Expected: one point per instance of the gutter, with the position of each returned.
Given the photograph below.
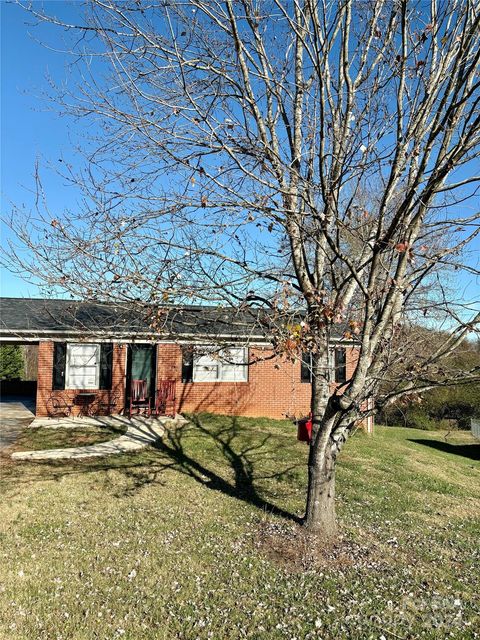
(124, 337)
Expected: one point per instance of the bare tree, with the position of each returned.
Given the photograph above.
(310, 157)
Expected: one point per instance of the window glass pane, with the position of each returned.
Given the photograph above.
(81, 371)
(233, 355)
(142, 363)
(83, 355)
(82, 380)
(205, 365)
(205, 372)
(234, 373)
(233, 368)
(206, 360)
(83, 365)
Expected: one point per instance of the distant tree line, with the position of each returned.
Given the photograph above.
(443, 407)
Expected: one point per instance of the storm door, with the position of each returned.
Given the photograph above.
(141, 365)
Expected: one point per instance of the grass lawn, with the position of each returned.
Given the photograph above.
(38, 438)
(197, 538)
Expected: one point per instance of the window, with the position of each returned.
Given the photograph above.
(339, 364)
(212, 365)
(206, 369)
(83, 366)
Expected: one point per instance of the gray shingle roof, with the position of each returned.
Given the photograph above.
(34, 317)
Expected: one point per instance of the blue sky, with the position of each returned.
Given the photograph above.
(32, 131)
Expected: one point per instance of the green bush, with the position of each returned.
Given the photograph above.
(418, 419)
(11, 362)
(444, 408)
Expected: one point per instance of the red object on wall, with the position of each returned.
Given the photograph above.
(304, 430)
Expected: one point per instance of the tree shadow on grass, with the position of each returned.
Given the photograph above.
(471, 451)
(177, 451)
(241, 460)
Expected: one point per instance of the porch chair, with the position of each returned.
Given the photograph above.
(139, 398)
(165, 398)
(110, 404)
(59, 406)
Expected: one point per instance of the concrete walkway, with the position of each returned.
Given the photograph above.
(141, 431)
(16, 414)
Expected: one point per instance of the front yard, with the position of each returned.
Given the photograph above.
(39, 438)
(197, 538)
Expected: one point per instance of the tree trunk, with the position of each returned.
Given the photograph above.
(320, 509)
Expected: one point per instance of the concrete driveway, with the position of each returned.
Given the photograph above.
(16, 413)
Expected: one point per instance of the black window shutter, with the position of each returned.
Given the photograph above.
(106, 364)
(340, 365)
(187, 364)
(59, 363)
(306, 367)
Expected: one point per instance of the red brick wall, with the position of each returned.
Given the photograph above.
(46, 397)
(273, 389)
(270, 391)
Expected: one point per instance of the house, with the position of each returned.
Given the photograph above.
(215, 360)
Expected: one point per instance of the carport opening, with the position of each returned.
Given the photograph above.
(18, 373)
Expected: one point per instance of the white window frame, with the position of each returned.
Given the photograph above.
(221, 368)
(71, 384)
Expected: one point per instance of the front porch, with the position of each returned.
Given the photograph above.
(84, 380)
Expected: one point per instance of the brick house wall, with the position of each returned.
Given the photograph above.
(274, 388)
(102, 397)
